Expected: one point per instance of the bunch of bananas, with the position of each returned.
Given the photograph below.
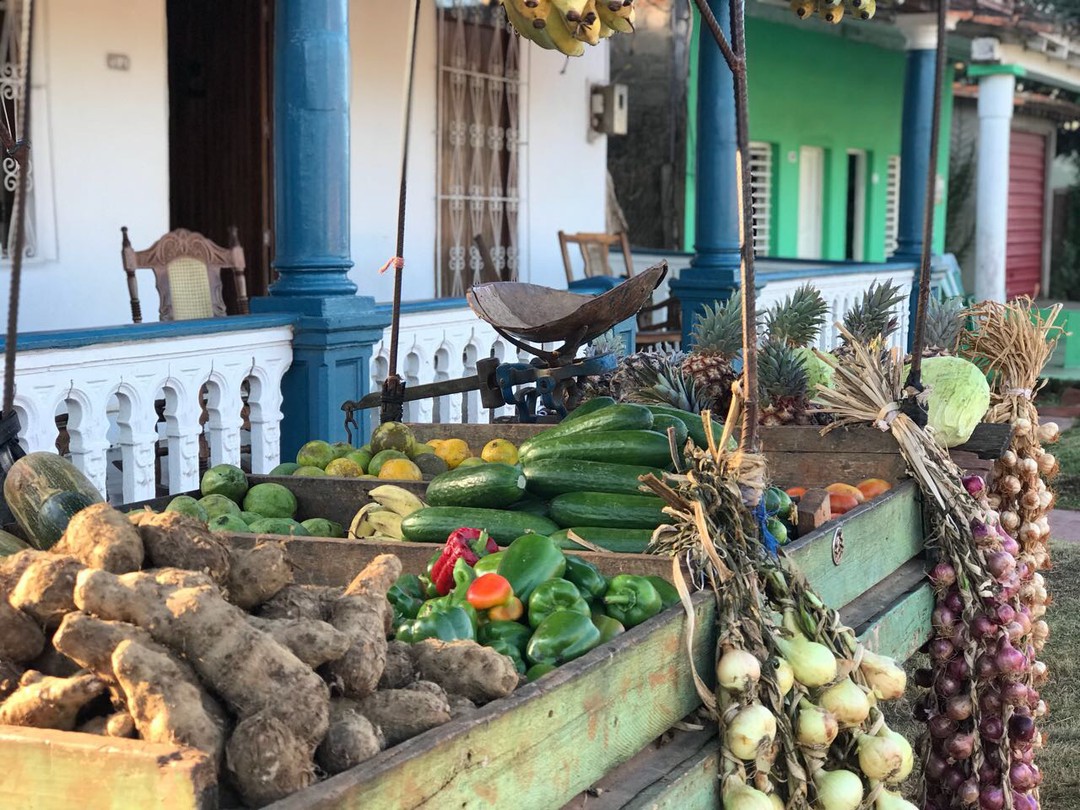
(832, 11)
(569, 25)
(381, 518)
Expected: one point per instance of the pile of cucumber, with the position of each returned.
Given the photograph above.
(580, 475)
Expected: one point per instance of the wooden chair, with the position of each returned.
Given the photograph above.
(651, 333)
(596, 253)
(187, 271)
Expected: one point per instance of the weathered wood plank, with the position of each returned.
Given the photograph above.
(694, 784)
(792, 469)
(857, 439)
(547, 742)
(903, 627)
(878, 536)
(477, 435)
(56, 770)
(987, 441)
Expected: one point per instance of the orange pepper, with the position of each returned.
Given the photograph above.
(510, 612)
(488, 591)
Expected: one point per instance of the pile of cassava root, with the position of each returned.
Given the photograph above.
(149, 626)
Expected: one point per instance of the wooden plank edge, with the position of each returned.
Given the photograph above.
(904, 627)
(693, 784)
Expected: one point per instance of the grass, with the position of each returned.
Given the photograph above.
(1067, 484)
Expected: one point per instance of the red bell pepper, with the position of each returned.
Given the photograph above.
(465, 543)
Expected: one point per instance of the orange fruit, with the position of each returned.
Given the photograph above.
(453, 451)
(840, 502)
(846, 489)
(400, 469)
(500, 450)
(872, 487)
(795, 492)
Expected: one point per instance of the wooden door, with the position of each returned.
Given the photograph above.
(220, 127)
(811, 201)
(1027, 207)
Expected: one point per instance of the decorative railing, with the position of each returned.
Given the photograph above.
(140, 408)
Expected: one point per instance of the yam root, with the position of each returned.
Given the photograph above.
(312, 641)
(399, 671)
(45, 590)
(465, 668)
(101, 537)
(350, 740)
(53, 662)
(13, 566)
(166, 705)
(120, 724)
(42, 701)
(10, 672)
(301, 602)
(173, 540)
(180, 578)
(363, 612)
(267, 760)
(403, 713)
(257, 574)
(21, 638)
(245, 667)
(460, 706)
(91, 642)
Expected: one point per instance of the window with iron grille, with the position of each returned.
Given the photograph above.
(11, 91)
(761, 168)
(479, 135)
(892, 205)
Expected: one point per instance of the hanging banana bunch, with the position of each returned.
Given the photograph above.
(568, 26)
(833, 11)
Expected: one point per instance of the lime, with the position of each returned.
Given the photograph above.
(321, 527)
(218, 505)
(271, 501)
(229, 522)
(381, 458)
(361, 458)
(309, 472)
(430, 464)
(186, 505)
(224, 479)
(341, 449)
(344, 468)
(392, 436)
(287, 468)
(471, 461)
(778, 530)
(315, 453)
(250, 517)
(278, 526)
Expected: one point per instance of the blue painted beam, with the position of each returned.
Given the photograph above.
(714, 271)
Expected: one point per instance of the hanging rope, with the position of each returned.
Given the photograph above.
(393, 393)
(19, 152)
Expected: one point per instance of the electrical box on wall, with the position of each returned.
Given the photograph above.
(609, 108)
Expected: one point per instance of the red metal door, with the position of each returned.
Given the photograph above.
(1027, 197)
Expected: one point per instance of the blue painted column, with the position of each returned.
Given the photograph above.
(920, 33)
(713, 274)
(336, 328)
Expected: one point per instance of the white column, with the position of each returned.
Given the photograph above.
(992, 184)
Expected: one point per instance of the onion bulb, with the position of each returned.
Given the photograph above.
(847, 702)
(907, 755)
(815, 728)
(838, 790)
(1010, 520)
(887, 800)
(813, 664)
(1047, 463)
(880, 758)
(740, 796)
(1010, 485)
(1021, 426)
(785, 678)
(738, 670)
(751, 729)
(883, 675)
(1048, 432)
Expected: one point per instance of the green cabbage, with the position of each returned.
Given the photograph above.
(958, 396)
(817, 370)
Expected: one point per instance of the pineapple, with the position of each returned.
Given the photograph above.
(783, 387)
(797, 321)
(717, 339)
(872, 316)
(944, 320)
(657, 378)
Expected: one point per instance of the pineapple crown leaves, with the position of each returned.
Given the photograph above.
(944, 321)
(718, 329)
(657, 378)
(607, 343)
(797, 320)
(781, 372)
(872, 316)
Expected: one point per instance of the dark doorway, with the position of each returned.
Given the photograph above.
(854, 243)
(220, 171)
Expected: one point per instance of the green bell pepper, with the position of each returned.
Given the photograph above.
(516, 633)
(668, 593)
(561, 637)
(530, 560)
(553, 595)
(510, 651)
(538, 671)
(632, 599)
(406, 596)
(446, 625)
(586, 576)
(608, 627)
(488, 564)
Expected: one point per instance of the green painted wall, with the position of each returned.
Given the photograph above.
(814, 89)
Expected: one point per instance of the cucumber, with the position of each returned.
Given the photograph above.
(621, 541)
(434, 524)
(644, 447)
(491, 486)
(694, 425)
(624, 416)
(548, 477)
(587, 407)
(532, 505)
(661, 423)
(608, 509)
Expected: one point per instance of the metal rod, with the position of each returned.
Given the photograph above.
(26, 42)
(914, 379)
(718, 33)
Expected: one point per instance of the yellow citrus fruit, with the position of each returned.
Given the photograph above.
(500, 450)
(344, 468)
(452, 451)
(400, 469)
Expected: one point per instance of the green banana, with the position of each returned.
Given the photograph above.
(563, 37)
(524, 23)
(616, 16)
(588, 28)
(571, 10)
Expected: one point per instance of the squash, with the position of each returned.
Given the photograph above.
(43, 492)
(10, 544)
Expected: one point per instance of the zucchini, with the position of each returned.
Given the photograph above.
(644, 447)
(548, 477)
(608, 509)
(661, 423)
(434, 524)
(694, 426)
(624, 416)
(10, 544)
(491, 486)
(620, 541)
(43, 492)
(587, 407)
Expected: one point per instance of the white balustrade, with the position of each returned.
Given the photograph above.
(110, 392)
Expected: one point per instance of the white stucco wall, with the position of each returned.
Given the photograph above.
(101, 142)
